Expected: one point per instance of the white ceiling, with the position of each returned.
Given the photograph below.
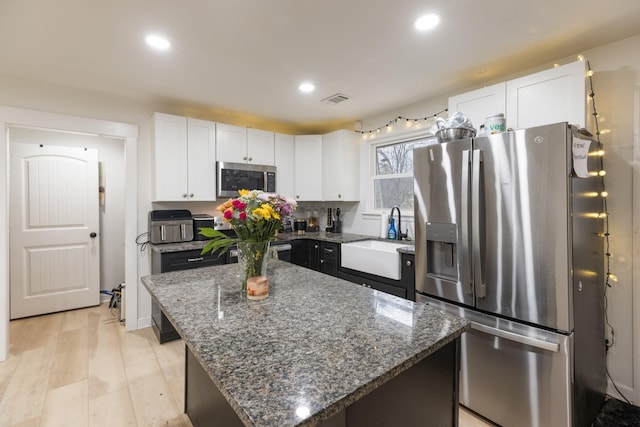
(248, 56)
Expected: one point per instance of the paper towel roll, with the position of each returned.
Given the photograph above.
(384, 225)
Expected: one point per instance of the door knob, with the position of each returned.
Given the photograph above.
(93, 235)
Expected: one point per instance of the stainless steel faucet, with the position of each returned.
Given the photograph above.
(399, 235)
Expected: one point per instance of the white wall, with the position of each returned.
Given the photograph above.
(617, 88)
(111, 157)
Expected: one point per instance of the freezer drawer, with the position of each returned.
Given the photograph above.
(514, 374)
(515, 383)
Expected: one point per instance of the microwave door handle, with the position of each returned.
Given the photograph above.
(464, 222)
(481, 291)
(265, 180)
(183, 232)
(163, 233)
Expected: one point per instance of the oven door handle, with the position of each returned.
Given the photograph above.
(533, 342)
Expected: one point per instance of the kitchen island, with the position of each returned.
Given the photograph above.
(318, 351)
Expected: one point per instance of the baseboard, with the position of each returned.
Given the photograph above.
(144, 322)
(628, 392)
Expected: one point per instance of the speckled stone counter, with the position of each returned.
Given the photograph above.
(317, 235)
(317, 342)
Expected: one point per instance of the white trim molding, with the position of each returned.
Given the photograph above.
(10, 116)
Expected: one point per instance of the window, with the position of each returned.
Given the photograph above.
(393, 174)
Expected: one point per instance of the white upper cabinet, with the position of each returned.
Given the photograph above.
(201, 150)
(308, 167)
(284, 161)
(183, 153)
(260, 147)
(231, 143)
(242, 145)
(340, 166)
(550, 96)
(480, 103)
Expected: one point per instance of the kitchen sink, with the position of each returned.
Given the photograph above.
(374, 257)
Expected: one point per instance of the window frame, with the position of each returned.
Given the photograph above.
(373, 144)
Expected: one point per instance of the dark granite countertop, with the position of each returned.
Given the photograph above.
(313, 347)
(317, 235)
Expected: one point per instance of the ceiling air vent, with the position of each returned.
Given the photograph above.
(335, 99)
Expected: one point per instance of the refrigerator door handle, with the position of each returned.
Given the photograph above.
(533, 342)
(478, 278)
(464, 218)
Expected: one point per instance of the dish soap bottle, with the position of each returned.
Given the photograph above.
(391, 234)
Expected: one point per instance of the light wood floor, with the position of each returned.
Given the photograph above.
(80, 368)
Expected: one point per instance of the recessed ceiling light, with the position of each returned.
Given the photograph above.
(158, 42)
(306, 87)
(426, 22)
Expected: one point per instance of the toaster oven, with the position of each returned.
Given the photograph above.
(170, 226)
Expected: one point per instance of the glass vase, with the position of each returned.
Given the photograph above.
(252, 261)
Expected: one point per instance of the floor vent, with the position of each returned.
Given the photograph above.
(335, 99)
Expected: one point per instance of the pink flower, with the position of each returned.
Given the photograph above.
(238, 205)
(228, 214)
(243, 216)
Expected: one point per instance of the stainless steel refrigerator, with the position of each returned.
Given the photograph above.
(509, 235)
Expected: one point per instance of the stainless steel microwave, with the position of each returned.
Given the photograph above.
(244, 176)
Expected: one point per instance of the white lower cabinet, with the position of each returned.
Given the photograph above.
(284, 162)
(183, 152)
(340, 166)
(308, 167)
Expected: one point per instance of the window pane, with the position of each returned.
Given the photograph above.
(397, 158)
(394, 192)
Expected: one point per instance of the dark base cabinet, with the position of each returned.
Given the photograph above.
(393, 287)
(162, 328)
(300, 253)
(329, 258)
(408, 274)
(175, 261)
(426, 394)
(316, 255)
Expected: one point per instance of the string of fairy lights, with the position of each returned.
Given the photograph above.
(605, 216)
(401, 119)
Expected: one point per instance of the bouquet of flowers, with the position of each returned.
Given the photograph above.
(255, 217)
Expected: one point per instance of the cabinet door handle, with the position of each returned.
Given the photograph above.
(191, 195)
(184, 195)
(408, 263)
(315, 246)
(328, 251)
(195, 259)
(244, 158)
(339, 196)
(250, 158)
(321, 261)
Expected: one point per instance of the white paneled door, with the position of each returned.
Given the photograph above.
(55, 256)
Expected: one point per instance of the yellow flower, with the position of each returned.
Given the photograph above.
(243, 192)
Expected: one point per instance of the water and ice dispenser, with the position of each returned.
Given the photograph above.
(442, 249)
